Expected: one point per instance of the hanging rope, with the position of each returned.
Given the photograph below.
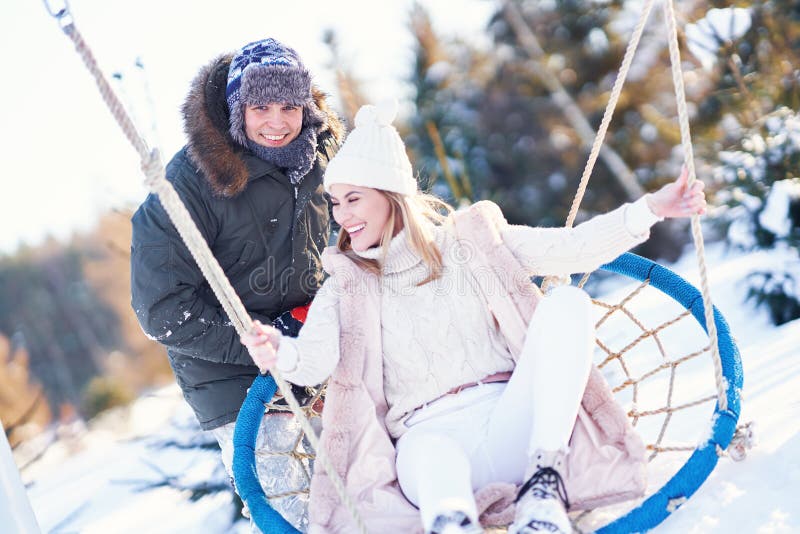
(157, 183)
(616, 91)
(697, 232)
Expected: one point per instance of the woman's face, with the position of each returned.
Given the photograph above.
(362, 212)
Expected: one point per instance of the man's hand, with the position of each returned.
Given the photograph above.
(262, 341)
(678, 199)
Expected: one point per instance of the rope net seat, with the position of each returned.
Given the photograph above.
(653, 348)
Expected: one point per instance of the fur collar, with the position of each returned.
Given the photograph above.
(210, 146)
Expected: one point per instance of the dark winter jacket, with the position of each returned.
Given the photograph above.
(266, 234)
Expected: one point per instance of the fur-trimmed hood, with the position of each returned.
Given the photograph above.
(206, 123)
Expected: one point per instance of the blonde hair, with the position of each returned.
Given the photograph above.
(414, 213)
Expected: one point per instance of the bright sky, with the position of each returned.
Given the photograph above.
(63, 158)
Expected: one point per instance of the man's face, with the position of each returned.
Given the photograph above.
(273, 125)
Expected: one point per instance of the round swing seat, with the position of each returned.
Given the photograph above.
(647, 515)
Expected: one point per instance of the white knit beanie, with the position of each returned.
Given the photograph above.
(373, 155)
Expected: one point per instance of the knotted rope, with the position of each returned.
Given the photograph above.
(697, 233)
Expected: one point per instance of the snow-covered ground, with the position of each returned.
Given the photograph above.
(89, 481)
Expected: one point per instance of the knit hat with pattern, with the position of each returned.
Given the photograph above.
(373, 155)
(265, 72)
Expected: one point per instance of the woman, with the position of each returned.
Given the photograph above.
(451, 373)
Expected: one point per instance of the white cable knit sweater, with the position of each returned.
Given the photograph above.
(441, 335)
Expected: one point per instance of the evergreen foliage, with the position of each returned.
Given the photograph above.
(444, 135)
(751, 134)
(47, 308)
(503, 137)
(762, 201)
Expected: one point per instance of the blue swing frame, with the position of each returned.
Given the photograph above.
(646, 516)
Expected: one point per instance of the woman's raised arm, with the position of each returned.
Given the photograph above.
(563, 251)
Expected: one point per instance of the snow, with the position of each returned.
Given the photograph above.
(775, 215)
(718, 26)
(165, 335)
(438, 72)
(87, 480)
(597, 41)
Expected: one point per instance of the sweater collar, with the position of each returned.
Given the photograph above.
(400, 256)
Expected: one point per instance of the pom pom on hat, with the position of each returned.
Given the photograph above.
(382, 114)
(373, 155)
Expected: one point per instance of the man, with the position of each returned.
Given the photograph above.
(259, 138)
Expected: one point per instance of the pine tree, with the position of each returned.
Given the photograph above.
(752, 136)
(537, 157)
(762, 198)
(443, 134)
(68, 307)
(484, 118)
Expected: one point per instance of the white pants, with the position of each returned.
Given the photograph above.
(489, 433)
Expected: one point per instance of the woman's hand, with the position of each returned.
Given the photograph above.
(678, 199)
(263, 341)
